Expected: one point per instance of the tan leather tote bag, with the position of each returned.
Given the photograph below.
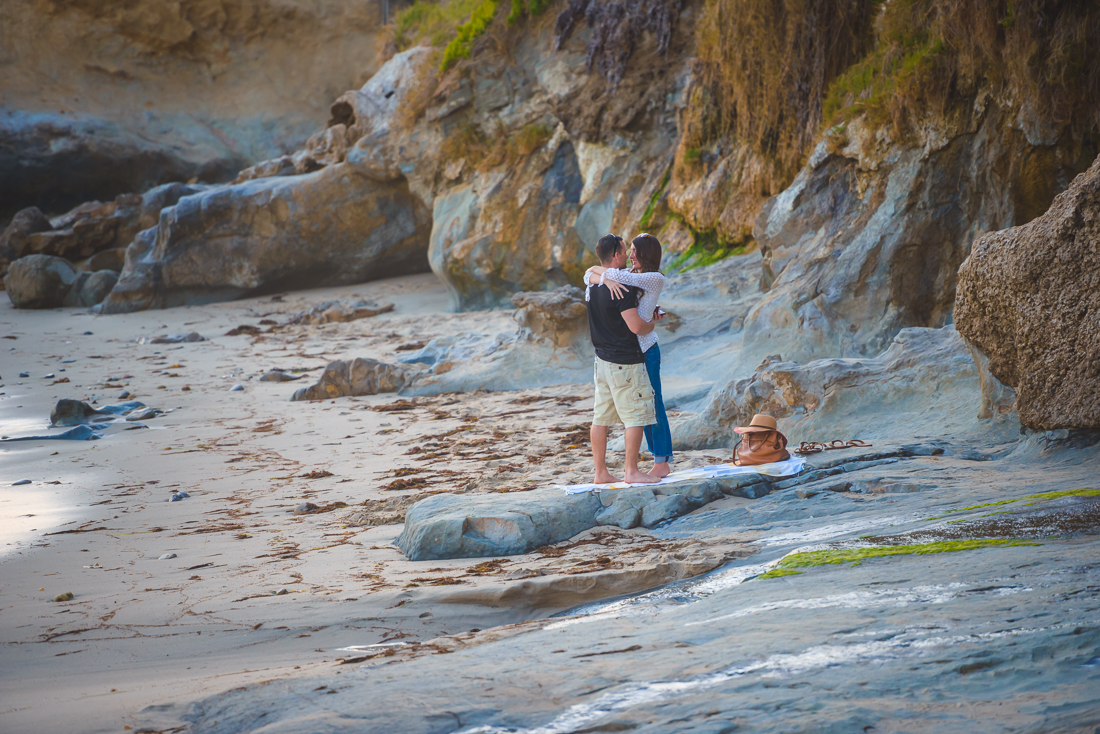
(760, 447)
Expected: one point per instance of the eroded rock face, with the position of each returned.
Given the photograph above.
(272, 234)
(862, 245)
(39, 281)
(1029, 298)
(93, 234)
(357, 377)
(167, 91)
(927, 375)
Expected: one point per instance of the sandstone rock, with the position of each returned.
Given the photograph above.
(93, 231)
(278, 376)
(167, 92)
(357, 377)
(665, 508)
(927, 375)
(70, 412)
(863, 245)
(112, 259)
(463, 526)
(271, 234)
(337, 312)
(559, 316)
(91, 288)
(623, 507)
(499, 356)
(39, 281)
(14, 237)
(1029, 298)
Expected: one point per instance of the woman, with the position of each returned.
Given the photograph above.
(645, 258)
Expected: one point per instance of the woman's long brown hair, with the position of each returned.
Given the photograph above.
(647, 254)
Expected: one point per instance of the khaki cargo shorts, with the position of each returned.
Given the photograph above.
(623, 395)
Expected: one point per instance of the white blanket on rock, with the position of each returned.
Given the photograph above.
(778, 469)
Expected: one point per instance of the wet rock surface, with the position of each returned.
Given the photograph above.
(1029, 298)
(1003, 600)
(69, 412)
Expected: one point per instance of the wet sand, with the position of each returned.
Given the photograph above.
(256, 592)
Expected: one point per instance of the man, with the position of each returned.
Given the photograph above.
(623, 392)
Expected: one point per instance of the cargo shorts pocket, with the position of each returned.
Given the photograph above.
(643, 394)
(621, 377)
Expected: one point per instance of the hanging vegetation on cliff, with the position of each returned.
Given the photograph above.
(930, 54)
(617, 28)
(764, 69)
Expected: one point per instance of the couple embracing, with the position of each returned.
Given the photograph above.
(622, 311)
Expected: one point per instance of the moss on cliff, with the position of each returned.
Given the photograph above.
(765, 69)
(930, 54)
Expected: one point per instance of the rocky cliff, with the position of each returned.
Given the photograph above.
(101, 98)
(861, 148)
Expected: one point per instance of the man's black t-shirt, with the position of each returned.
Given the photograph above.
(613, 339)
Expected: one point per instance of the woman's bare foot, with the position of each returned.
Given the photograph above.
(605, 478)
(636, 476)
(661, 470)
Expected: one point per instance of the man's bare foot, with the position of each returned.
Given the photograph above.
(605, 478)
(636, 476)
(661, 470)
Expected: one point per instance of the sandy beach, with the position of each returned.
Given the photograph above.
(251, 590)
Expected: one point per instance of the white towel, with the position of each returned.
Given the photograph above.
(778, 469)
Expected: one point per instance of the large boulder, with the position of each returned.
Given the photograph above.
(331, 227)
(558, 316)
(39, 281)
(93, 232)
(1029, 299)
(357, 377)
(464, 526)
(13, 239)
(90, 289)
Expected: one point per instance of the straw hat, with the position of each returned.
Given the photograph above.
(760, 423)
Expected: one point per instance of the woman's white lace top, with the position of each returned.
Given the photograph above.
(651, 284)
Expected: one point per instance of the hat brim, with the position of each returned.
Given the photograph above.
(753, 429)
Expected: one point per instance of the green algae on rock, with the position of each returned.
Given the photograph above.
(1038, 497)
(856, 556)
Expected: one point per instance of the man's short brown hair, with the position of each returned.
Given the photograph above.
(608, 246)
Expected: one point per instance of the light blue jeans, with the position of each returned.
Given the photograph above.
(658, 437)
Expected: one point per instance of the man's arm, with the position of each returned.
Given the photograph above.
(636, 323)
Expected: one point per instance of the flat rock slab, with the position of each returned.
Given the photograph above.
(475, 526)
(464, 526)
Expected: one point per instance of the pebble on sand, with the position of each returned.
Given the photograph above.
(24, 374)
(20, 482)
(124, 394)
(178, 496)
(166, 556)
(305, 508)
(67, 596)
(237, 388)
